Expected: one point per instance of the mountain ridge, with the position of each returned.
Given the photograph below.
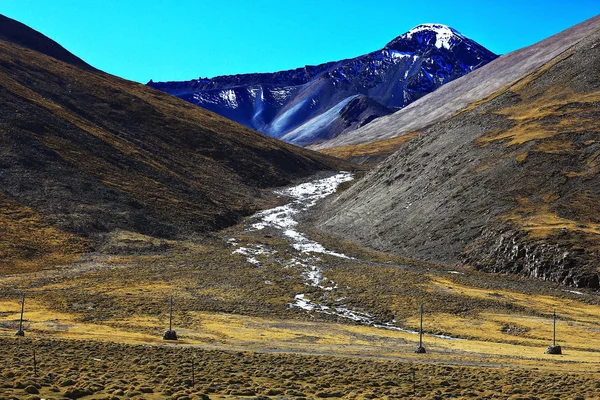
(286, 104)
(22, 35)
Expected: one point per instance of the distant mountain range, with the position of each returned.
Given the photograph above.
(317, 103)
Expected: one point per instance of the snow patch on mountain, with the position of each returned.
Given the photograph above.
(443, 33)
(281, 95)
(229, 97)
(255, 92)
(399, 54)
(206, 98)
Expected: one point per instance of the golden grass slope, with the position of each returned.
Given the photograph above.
(28, 244)
(555, 118)
(369, 153)
(107, 316)
(165, 372)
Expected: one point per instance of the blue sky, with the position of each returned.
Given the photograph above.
(185, 39)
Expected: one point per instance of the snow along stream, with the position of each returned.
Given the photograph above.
(283, 219)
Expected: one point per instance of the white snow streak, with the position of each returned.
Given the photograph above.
(252, 252)
(229, 97)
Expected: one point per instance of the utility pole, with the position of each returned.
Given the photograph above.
(420, 349)
(554, 328)
(554, 349)
(20, 332)
(171, 313)
(170, 334)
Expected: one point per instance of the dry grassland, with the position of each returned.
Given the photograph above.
(96, 326)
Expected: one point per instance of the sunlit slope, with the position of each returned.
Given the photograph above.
(87, 153)
(370, 153)
(510, 184)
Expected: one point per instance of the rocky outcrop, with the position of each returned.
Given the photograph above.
(361, 111)
(513, 252)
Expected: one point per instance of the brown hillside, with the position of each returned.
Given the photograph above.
(84, 153)
(509, 184)
(18, 33)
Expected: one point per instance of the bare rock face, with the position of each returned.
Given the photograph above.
(361, 111)
(512, 252)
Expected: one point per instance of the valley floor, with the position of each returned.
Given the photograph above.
(274, 308)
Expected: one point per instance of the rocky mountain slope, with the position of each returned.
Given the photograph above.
(317, 103)
(452, 97)
(84, 153)
(509, 184)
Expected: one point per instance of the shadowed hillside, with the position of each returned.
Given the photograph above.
(83, 153)
(509, 184)
(18, 33)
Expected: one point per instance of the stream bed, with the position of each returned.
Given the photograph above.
(285, 220)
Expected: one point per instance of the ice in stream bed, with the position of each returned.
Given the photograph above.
(303, 197)
(306, 304)
(284, 219)
(574, 292)
(252, 252)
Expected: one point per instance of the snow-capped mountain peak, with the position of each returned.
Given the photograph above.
(445, 36)
(316, 103)
(443, 33)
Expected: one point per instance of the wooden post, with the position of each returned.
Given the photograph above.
(20, 332)
(420, 349)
